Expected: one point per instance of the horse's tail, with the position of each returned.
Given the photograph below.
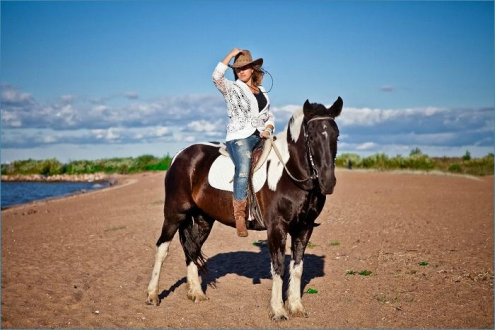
(190, 235)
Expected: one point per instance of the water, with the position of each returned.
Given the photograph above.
(14, 193)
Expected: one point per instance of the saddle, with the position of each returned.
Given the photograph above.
(258, 157)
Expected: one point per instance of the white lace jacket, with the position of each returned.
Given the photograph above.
(242, 106)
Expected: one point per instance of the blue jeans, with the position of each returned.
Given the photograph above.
(240, 153)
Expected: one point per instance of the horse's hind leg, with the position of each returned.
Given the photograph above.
(171, 224)
(192, 236)
(299, 242)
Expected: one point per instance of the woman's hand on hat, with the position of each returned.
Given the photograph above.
(230, 55)
(235, 51)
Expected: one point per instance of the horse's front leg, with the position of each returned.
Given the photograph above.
(277, 236)
(298, 246)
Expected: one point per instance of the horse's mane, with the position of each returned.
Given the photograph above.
(276, 167)
(295, 123)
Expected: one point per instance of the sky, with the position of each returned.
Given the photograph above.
(102, 79)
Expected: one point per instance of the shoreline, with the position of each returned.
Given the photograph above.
(93, 177)
(113, 181)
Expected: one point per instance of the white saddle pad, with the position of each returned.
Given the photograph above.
(222, 172)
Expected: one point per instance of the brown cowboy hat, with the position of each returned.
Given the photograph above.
(244, 58)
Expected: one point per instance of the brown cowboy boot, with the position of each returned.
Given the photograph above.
(240, 216)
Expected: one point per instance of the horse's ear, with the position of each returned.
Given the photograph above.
(336, 108)
(307, 108)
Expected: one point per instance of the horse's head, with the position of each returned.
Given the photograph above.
(321, 140)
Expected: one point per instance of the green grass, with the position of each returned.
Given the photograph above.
(419, 161)
(362, 273)
(365, 272)
(115, 228)
(111, 165)
(415, 161)
(334, 243)
(311, 245)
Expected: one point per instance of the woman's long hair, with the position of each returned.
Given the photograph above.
(257, 75)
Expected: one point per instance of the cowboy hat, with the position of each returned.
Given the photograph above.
(244, 58)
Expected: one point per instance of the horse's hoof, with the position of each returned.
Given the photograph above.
(153, 299)
(279, 316)
(299, 313)
(296, 309)
(196, 297)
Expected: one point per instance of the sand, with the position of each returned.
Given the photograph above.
(85, 261)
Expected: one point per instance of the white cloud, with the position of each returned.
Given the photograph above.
(67, 98)
(131, 95)
(370, 117)
(159, 131)
(49, 139)
(188, 118)
(11, 119)
(69, 112)
(366, 146)
(11, 95)
(387, 88)
(205, 126)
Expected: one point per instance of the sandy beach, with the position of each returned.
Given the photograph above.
(85, 261)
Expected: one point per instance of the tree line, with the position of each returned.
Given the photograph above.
(380, 161)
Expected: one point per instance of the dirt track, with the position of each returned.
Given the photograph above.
(85, 261)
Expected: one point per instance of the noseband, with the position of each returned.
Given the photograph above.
(309, 153)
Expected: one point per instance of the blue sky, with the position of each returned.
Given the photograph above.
(99, 79)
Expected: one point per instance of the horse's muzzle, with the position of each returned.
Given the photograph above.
(327, 186)
(328, 191)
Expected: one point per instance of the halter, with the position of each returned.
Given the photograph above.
(313, 168)
(309, 154)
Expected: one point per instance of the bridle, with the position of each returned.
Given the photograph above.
(309, 152)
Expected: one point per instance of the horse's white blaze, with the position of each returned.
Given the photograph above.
(325, 134)
(277, 303)
(294, 290)
(193, 280)
(161, 254)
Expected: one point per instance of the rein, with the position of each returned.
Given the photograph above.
(313, 169)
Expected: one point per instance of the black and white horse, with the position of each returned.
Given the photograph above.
(290, 201)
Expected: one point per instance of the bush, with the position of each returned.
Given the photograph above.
(343, 160)
(415, 151)
(455, 168)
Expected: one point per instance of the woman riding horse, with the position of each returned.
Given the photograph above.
(251, 119)
(298, 179)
